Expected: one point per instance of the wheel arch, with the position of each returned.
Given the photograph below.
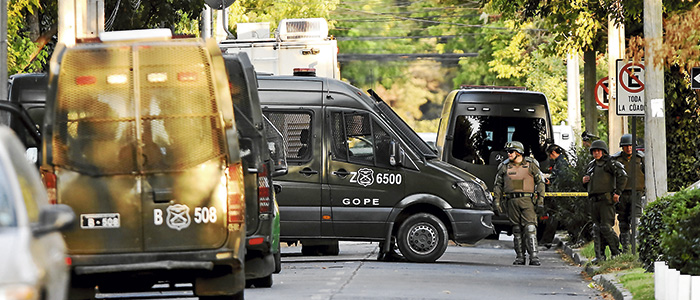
(418, 203)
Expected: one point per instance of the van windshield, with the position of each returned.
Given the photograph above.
(480, 139)
(104, 125)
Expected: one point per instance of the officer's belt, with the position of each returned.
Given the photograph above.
(519, 195)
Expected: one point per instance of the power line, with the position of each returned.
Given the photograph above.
(414, 37)
(345, 57)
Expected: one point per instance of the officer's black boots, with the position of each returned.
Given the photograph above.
(519, 247)
(598, 246)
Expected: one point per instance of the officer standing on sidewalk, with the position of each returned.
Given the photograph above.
(520, 183)
(559, 167)
(624, 208)
(605, 180)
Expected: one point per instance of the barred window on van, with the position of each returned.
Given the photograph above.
(296, 133)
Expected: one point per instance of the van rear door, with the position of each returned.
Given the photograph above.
(138, 149)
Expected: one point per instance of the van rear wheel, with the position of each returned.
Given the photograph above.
(422, 238)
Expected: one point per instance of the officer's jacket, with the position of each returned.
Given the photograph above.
(524, 177)
(626, 161)
(607, 176)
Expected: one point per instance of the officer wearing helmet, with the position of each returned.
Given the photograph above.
(626, 204)
(605, 180)
(519, 186)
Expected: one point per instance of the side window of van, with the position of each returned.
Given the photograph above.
(296, 132)
(479, 139)
(358, 138)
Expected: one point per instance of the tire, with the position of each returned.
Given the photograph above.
(278, 262)
(264, 282)
(332, 249)
(422, 238)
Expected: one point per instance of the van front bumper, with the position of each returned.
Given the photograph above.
(470, 226)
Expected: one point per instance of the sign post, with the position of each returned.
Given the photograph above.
(630, 102)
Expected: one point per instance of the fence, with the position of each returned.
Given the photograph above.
(670, 284)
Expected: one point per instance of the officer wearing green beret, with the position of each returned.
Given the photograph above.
(519, 186)
(605, 180)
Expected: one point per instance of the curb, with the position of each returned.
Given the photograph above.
(607, 281)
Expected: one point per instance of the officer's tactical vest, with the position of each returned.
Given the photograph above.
(622, 158)
(602, 180)
(518, 178)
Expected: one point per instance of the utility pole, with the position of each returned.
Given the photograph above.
(617, 126)
(573, 94)
(654, 112)
(79, 19)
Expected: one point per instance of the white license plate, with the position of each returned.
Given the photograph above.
(97, 221)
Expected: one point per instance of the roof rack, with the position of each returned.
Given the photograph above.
(464, 86)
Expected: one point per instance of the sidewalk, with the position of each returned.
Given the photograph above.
(609, 282)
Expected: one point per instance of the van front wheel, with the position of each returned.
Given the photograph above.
(422, 238)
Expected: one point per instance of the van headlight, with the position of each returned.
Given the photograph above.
(476, 194)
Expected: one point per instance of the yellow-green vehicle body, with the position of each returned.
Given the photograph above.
(140, 140)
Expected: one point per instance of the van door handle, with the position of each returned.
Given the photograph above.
(342, 173)
(308, 172)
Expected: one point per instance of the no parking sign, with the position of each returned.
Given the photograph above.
(630, 88)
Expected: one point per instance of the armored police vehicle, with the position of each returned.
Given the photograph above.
(140, 140)
(24, 109)
(358, 172)
(262, 158)
(477, 122)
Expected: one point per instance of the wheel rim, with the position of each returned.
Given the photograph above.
(422, 238)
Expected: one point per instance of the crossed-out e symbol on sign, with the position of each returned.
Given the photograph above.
(629, 79)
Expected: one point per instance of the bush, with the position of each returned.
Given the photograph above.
(572, 212)
(670, 230)
(651, 226)
(681, 239)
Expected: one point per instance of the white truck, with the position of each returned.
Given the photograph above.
(298, 43)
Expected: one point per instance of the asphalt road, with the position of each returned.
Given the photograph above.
(481, 271)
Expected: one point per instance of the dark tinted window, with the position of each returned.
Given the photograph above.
(296, 132)
(479, 139)
(359, 139)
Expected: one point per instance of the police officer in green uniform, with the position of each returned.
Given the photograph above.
(626, 204)
(520, 184)
(605, 180)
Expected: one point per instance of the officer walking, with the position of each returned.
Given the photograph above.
(605, 180)
(520, 183)
(624, 208)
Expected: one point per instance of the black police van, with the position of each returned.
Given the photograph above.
(263, 158)
(358, 172)
(476, 123)
(23, 111)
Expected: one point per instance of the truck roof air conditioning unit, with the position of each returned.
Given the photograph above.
(295, 29)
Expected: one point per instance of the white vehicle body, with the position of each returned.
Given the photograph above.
(298, 43)
(564, 136)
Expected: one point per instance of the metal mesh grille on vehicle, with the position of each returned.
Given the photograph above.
(291, 126)
(340, 149)
(99, 103)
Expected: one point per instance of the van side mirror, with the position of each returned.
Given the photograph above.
(52, 218)
(397, 154)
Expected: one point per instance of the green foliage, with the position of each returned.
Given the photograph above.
(680, 241)
(20, 45)
(127, 15)
(669, 231)
(573, 211)
(252, 11)
(639, 283)
(682, 130)
(651, 226)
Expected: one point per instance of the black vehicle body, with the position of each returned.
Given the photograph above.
(476, 123)
(139, 138)
(260, 164)
(358, 172)
(25, 108)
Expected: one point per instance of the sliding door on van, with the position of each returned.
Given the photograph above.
(364, 186)
(300, 200)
